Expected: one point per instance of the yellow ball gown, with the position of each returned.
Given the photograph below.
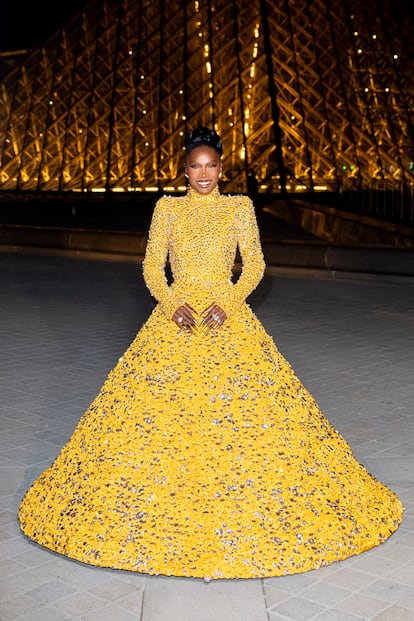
(203, 454)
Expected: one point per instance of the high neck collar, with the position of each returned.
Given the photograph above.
(196, 197)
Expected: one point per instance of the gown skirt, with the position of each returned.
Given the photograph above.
(203, 455)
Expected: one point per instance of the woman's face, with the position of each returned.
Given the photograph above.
(203, 168)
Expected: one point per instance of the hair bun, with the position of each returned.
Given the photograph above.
(203, 136)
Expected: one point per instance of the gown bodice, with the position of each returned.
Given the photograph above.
(199, 234)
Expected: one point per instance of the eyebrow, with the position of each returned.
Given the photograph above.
(209, 162)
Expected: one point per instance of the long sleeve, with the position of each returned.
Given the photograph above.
(253, 264)
(154, 263)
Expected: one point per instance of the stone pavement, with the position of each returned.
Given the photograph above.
(63, 324)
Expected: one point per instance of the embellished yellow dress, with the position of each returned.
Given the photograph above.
(203, 455)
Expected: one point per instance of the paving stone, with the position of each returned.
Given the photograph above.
(394, 613)
(325, 593)
(18, 606)
(185, 600)
(337, 615)
(46, 613)
(112, 612)
(299, 609)
(113, 589)
(10, 479)
(362, 605)
(80, 604)
(52, 591)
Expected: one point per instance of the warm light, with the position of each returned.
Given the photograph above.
(151, 188)
(387, 90)
(374, 36)
(257, 31)
(252, 70)
(242, 153)
(356, 33)
(130, 52)
(208, 67)
(395, 56)
(359, 51)
(320, 188)
(118, 189)
(98, 189)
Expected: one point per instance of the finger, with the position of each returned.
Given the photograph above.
(186, 313)
(209, 309)
(189, 320)
(189, 307)
(209, 322)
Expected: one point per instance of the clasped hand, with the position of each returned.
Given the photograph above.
(212, 317)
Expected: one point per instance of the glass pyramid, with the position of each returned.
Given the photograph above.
(307, 94)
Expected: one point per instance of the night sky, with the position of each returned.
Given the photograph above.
(26, 25)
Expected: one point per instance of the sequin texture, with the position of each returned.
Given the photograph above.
(203, 455)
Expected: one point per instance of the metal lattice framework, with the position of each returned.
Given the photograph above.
(311, 94)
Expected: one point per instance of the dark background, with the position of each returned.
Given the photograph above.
(26, 25)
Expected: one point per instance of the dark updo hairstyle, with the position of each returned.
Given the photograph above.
(203, 137)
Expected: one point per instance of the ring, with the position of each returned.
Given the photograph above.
(180, 320)
(216, 317)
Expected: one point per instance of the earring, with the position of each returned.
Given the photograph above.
(185, 175)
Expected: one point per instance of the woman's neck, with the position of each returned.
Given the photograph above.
(204, 198)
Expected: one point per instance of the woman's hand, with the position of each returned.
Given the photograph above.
(213, 317)
(184, 317)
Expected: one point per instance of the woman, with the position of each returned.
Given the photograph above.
(203, 455)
